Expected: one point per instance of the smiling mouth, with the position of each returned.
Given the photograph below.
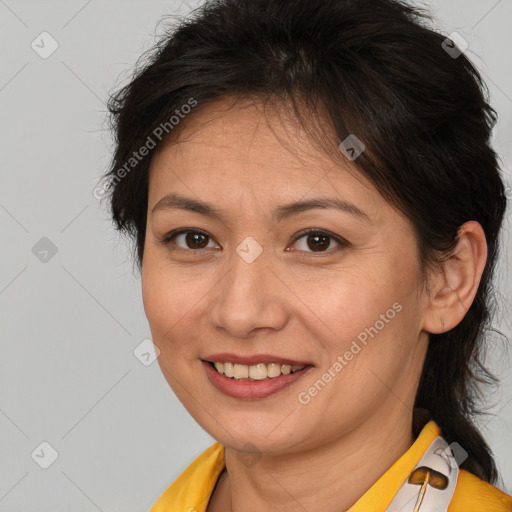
(255, 372)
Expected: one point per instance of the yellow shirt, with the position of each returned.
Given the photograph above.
(192, 490)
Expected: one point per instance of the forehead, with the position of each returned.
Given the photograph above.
(227, 147)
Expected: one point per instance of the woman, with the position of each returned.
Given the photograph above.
(316, 210)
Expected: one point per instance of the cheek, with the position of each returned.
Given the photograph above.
(164, 301)
(369, 319)
(156, 297)
(160, 291)
(372, 339)
(348, 303)
(166, 307)
(174, 298)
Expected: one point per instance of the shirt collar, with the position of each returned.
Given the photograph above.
(193, 488)
(382, 492)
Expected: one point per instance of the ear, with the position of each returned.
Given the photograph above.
(453, 290)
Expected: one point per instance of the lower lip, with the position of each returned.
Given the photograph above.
(251, 389)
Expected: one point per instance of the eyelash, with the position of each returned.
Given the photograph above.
(173, 234)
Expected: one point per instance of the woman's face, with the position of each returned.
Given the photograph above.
(251, 286)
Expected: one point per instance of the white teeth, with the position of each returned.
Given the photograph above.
(273, 370)
(241, 371)
(229, 370)
(259, 371)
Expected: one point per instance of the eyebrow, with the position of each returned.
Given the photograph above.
(177, 201)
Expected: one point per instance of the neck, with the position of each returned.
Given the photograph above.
(330, 477)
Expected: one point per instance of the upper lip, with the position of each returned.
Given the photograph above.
(226, 357)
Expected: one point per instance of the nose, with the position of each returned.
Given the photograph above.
(249, 298)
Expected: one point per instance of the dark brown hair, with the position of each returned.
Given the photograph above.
(373, 69)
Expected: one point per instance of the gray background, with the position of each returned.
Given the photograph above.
(70, 324)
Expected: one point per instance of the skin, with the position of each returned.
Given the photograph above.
(295, 302)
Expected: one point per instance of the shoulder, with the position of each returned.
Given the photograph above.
(473, 494)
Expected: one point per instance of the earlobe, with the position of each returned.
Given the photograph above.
(453, 290)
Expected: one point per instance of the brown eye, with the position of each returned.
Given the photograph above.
(196, 240)
(190, 239)
(318, 241)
